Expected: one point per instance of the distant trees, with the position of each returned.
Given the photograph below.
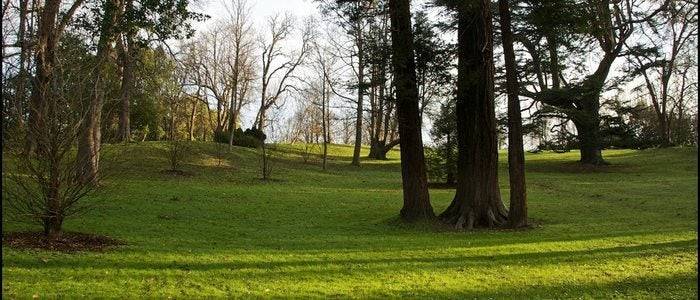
(351, 17)
(662, 56)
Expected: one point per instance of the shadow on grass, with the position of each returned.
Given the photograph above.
(324, 266)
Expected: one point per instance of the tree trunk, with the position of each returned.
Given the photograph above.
(90, 135)
(416, 205)
(44, 60)
(376, 149)
(360, 95)
(53, 216)
(127, 85)
(22, 76)
(234, 100)
(517, 215)
(324, 128)
(588, 127)
(193, 116)
(477, 201)
(665, 131)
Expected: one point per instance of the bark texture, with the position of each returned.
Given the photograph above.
(413, 172)
(477, 201)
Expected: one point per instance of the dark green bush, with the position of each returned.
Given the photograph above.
(250, 138)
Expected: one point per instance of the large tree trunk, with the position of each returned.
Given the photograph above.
(416, 201)
(376, 149)
(379, 148)
(517, 215)
(587, 122)
(477, 201)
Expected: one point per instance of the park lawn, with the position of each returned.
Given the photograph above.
(627, 230)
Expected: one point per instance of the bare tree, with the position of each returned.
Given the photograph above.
(47, 185)
(663, 41)
(240, 62)
(278, 66)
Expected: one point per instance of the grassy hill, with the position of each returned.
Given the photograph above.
(626, 230)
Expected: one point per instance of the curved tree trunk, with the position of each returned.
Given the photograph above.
(379, 149)
(416, 201)
(477, 201)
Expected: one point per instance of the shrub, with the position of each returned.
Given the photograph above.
(177, 152)
(250, 138)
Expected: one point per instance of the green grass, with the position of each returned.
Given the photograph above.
(628, 230)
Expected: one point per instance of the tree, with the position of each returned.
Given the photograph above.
(665, 40)
(48, 34)
(413, 173)
(164, 19)
(351, 15)
(46, 185)
(280, 28)
(90, 131)
(241, 68)
(325, 62)
(575, 25)
(477, 201)
(517, 215)
(444, 134)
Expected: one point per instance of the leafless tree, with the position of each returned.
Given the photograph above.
(47, 185)
(671, 35)
(278, 65)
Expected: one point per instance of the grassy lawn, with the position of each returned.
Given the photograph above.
(628, 230)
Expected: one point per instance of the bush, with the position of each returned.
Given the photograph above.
(250, 138)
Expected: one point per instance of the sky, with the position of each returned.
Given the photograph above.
(260, 9)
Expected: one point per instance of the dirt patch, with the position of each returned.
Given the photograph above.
(69, 241)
